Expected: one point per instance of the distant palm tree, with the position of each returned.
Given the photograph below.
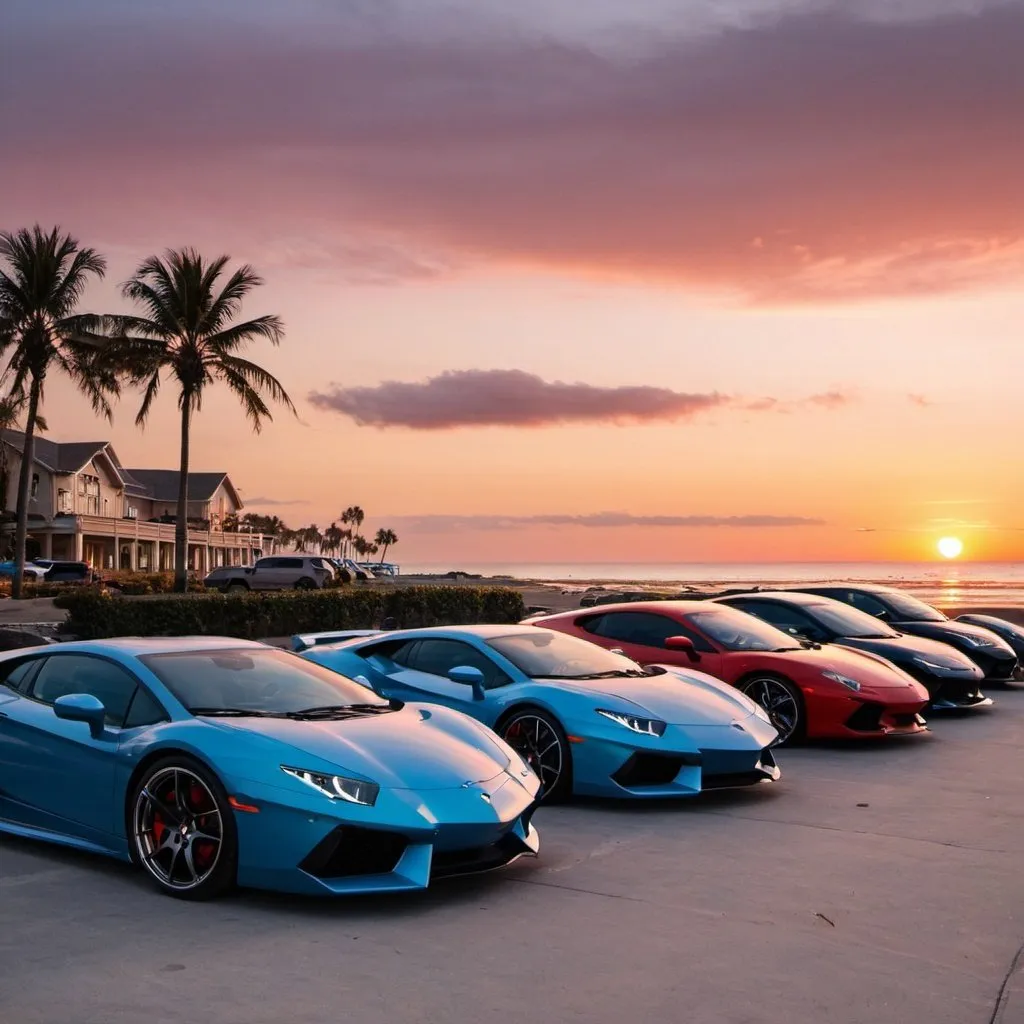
(332, 539)
(385, 539)
(188, 333)
(40, 288)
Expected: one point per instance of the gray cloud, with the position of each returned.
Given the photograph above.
(514, 398)
(273, 502)
(459, 398)
(599, 520)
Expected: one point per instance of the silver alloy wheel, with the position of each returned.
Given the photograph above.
(533, 739)
(779, 701)
(177, 829)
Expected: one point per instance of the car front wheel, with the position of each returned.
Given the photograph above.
(783, 702)
(540, 741)
(182, 830)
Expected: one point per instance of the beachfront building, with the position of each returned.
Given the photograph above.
(84, 505)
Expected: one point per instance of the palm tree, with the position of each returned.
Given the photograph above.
(188, 333)
(11, 409)
(332, 539)
(45, 276)
(385, 538)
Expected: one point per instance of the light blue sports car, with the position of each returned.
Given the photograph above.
(588, 721)
(212, 761)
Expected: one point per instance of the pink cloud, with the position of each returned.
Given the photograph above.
(816, 156)
(514, 398)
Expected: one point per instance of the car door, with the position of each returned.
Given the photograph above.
(419, 672)
(642, 635)
(56, 774)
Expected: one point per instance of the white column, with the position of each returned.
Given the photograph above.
(47, 539)
(79, 545)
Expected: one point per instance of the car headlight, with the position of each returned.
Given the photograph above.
(644, 726)
(838, 677)
(980, 641)
(936, 666)
(337, 787)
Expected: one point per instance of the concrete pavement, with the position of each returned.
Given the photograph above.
(879, 883)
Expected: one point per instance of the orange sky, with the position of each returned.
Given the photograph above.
(759, 274)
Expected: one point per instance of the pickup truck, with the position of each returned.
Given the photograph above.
(276, 572)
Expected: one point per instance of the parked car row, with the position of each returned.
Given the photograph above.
(379, 760)
(287, 572)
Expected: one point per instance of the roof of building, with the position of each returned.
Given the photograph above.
(162, 484)
(157, 484)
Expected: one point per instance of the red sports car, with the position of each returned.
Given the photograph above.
(806, 689)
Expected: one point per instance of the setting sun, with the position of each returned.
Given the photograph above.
(950, 547)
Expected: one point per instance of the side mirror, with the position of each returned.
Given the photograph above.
(682, 643)
(469, 676)
(81, 707)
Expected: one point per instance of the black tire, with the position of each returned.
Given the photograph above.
(782, 700)
(236, 588)
(531, 733)
(181, 829)
(305, 583)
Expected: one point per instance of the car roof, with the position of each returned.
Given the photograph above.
(481, 632)
(680, 607)
(867, 588)
(139, 646)
(790, 596)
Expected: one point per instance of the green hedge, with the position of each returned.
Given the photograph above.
(255, 616)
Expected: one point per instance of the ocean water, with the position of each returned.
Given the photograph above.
(966, 583)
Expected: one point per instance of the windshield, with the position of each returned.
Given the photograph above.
(849, 622)
(260, 681)
(545, 653)
(910, 609)
(737, 631)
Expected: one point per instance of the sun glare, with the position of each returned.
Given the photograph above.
(950, 547)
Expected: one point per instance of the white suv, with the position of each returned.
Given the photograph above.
(277, 572)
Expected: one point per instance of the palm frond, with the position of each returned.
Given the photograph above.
(255, 377)
(269, 328)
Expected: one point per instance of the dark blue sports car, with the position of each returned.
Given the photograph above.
(588, 721)
(212, 761)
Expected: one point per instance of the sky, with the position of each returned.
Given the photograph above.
(624, 280)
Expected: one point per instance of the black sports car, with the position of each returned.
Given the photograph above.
(951, 678)
(906, 614)
(1011, 632)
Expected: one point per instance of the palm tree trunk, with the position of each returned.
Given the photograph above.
(181, 526)
(384, 555)
(24, 485)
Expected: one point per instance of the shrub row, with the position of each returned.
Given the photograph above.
(94, 615)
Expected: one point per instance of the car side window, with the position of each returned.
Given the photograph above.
(398, 651)
(144, 709)
(646, 629)
(268, 563)
(439, 657)
(866, 603)
(18, 672)
(63, 674)
(788, 619)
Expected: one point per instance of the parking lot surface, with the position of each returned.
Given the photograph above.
(880, 883)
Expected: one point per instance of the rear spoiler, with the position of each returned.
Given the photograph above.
(303, 641)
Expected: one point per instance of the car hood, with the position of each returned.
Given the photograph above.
(413, 748)
(677, 696)
(869, 669)
(901, 648)
(952, 630)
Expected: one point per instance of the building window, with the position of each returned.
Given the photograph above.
(63, 500)
(35, 486)
(89, 488)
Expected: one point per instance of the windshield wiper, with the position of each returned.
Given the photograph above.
(232, 713)
(338, 711)
(617, 673)
(803, 647)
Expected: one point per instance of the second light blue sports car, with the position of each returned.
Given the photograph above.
(588, 721)
(212, 761)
